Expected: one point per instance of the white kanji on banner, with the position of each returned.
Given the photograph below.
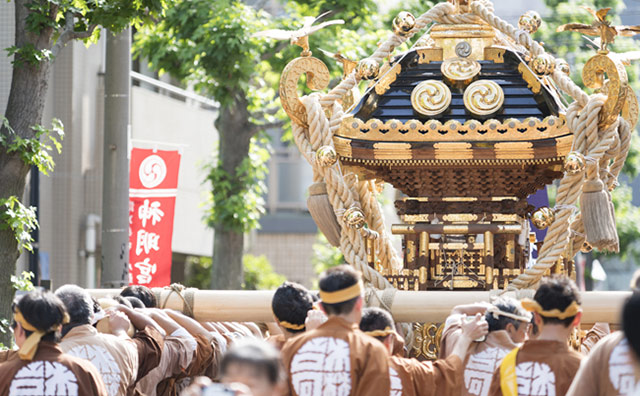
(146, 271)
(146, 242)
(150, 211)
(321, 367)
(44, 378)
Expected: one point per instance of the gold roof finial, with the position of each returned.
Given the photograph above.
(462, 6)
(300, 37)
(601, 27)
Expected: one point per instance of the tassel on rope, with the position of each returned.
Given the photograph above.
(322, 212)
(597, 216)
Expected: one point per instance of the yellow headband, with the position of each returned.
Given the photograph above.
(340, 296)
(291, 326)
(533, 306)
(30, 346)
(380, 333)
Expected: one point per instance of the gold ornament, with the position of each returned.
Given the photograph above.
(543, 64)
(574, 163)
(354, 218)
(543, 217)
(431, 97)
(586, 247)
(367, 69)
(460, 69)
(483, 97)
(403, 23)
(326, 156)
(530, 21)
(563, 66)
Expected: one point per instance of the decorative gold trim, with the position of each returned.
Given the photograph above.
(460, 69)
(472, 130)
(386, 151)
(388, 77)
(483, 97)
(532, 81)
(428, 55)
(431, 97)
(458, 150)
(506, 150)
(494, 54)
(317, 78)
(630, 109)
(593, 74)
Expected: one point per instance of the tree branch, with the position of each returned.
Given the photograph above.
(70, 34)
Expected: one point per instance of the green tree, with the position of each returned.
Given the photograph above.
(209, 44)
(43, 28)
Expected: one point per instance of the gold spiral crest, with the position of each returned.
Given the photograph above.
(483, 97)
(431, 97)
(460, 69)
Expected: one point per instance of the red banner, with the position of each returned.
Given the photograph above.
(153, 184)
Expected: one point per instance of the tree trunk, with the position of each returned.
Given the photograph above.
(235, 131)
(29, 86)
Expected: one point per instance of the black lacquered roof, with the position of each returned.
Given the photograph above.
(520, 101)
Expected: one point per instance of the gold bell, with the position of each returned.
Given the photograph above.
(543, 217)
(367, 69)
(354, 218)
(543, 64)
(574, 163)
(326, 156)
(586, 247)
(563, 66)
(403, 23)
(530, 21)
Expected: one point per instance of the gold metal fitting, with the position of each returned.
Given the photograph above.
(430, 97)
(586, 247)
(563, 66)
(574, 163)
(354, 218)
(326, 156)
(367, 69)
(403, 23)
(543, 64)
(543, 217)
(483, 97)
(530, 21)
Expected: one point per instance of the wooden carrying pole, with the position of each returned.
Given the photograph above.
(408, 306)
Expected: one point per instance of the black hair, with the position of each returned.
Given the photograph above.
(78, 303)
(290, 303)
(42, 310)
(123, 301)
(134, 301)
(262, 357)
(507, 305)
(338, 278)
(534, 327)
(635, 280)
(631, 321)
(143, 293)
(96, 305)
(557, 292)
(375, 319)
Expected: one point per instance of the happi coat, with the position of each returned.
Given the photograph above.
(482, 358)
(50, 373)
(410, 377)
(609, 370)
(543, 368)
(336, 359)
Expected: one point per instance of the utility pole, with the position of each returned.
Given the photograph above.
(115, 179)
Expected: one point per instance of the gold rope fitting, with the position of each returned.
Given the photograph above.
(563, 66)
(543, 64)
(530, 21)
(367, 69)
(326, 156)
(574, 163)
(403, 23)
(543, 217)
(354, 218)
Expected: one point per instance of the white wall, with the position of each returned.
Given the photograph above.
(159, 118)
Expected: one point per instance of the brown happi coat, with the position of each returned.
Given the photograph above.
(410, 377)
(336, 359)
(543, 368)
(481, 360)
(50, 372)
(609, 370)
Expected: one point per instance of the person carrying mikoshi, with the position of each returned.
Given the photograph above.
(613, 366)
(337, 358)
(508, 327)
(546, 365)
(410, 377)
(290, 304)
(40, 367)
